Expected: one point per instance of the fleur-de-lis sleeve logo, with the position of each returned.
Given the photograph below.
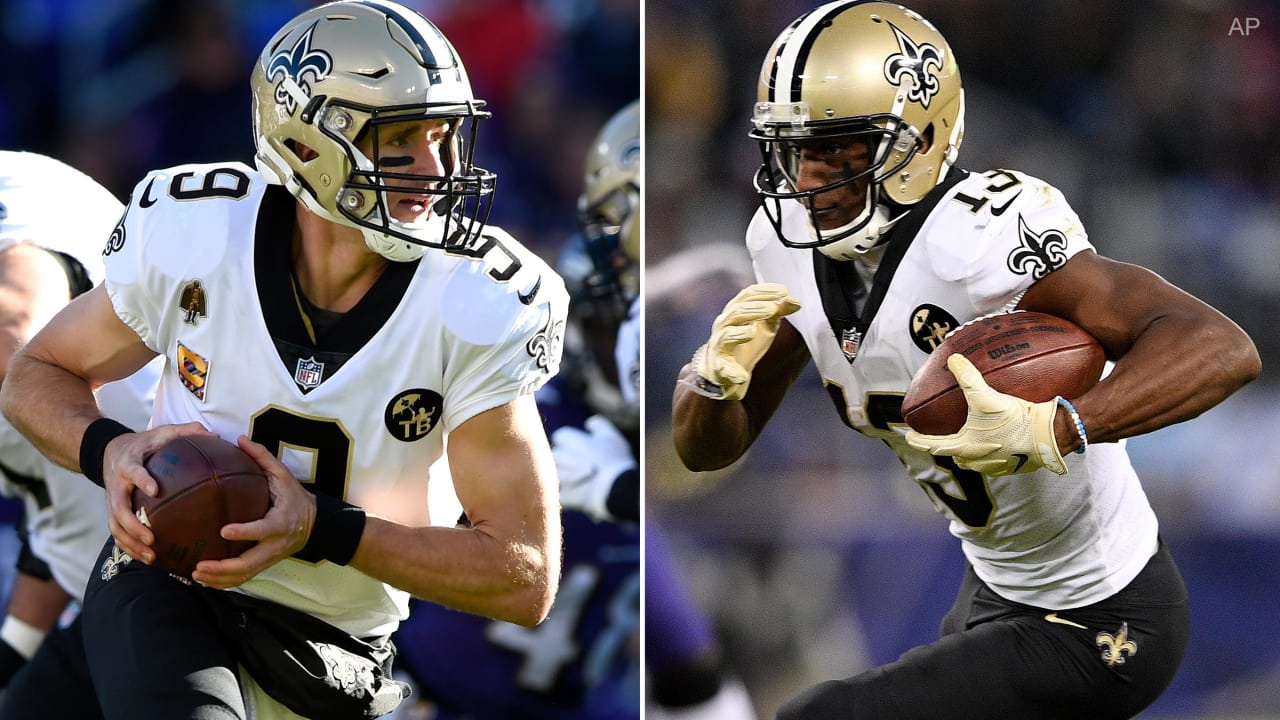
(1038, 254)
(116, 241)
(296, 64)
(546, 346)
(916, 65)
(1116, 647)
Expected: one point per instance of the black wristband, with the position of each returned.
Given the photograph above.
(336, 534)
(93, 446)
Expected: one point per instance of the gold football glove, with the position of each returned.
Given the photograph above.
(739, 338)
(1003, 435)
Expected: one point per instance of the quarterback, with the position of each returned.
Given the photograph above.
(337, 310)
(871, 244)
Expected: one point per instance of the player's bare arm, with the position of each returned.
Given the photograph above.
(51, 401)
(1176, 356)
(506, 565)
(81, 348)
(712, 434)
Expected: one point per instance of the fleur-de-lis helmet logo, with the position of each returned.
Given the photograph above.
(916, 65)
(296, 64)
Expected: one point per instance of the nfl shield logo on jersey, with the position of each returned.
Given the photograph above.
(850, 339)
(309, 373)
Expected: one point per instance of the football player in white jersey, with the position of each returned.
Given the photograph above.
(337, 311)
(47, 257)
(870, 245)
(597, 463)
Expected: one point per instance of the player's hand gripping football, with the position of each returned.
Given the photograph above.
(588, 461)
(740, 336)
(122, 470)
(1003, 435)
(279, 534)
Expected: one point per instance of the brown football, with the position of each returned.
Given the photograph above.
(205, 483)
(1031, 355)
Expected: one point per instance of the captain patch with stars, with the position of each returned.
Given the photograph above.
(413, 413)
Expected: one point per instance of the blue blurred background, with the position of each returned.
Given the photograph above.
(1160, 121)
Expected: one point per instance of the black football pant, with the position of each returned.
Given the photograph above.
(54, 683)
(153, 654)
(998, 660)
(153, 646)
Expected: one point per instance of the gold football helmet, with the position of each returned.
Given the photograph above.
(611, 189)
(332, 78)
(873, 71)
(600, 266)
(609, 215)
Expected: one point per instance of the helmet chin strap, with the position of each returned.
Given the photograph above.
(875, 223)
(392, 248)
(399, 250)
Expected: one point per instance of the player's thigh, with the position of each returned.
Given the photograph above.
(153, 646)
(994, 671)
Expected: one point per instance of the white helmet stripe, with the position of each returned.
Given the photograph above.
(792, 54)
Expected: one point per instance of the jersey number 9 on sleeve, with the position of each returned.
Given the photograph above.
(227, 182)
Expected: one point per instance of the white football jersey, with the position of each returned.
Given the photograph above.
(50, 204)
(1040, 539)
(200, 269)
(627, 355)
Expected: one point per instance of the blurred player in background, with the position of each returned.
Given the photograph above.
(356, 307)
(597, 460)
(582, 661)
(48, 256)
(869, 246)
